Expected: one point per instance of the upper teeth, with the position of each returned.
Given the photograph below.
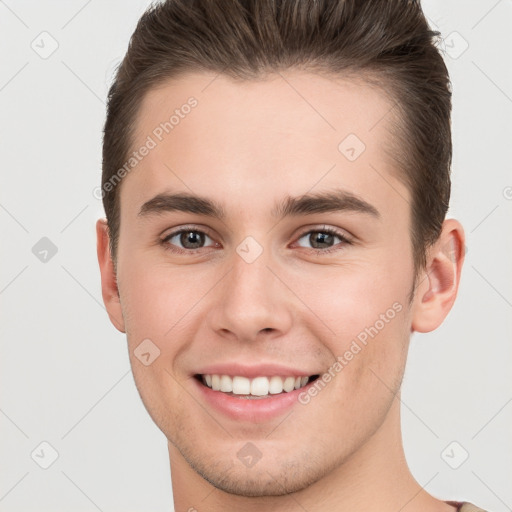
(259, 386)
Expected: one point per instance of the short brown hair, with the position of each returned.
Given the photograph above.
(385, 42)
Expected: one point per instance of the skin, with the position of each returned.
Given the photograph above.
(248, 145)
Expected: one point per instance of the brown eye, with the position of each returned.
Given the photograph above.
(186, 240)
(323, 240)
(191, 239)
(320, 240)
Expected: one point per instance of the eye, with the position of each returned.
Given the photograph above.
(189, 240)
(324, 240)
(186, 240)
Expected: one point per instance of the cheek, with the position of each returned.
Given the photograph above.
(367, 314)
(369, 372)
(350, 298)
(159, 310)
(158, 299)
(162, 395)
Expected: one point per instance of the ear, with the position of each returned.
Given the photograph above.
(109, 288)
(438, 286)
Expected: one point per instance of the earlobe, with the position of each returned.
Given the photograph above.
(437, 289)
(109, 289)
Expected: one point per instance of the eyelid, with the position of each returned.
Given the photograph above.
(164, 241)
(345, 239)
(187, 227)
(343, 233)
(344, 236)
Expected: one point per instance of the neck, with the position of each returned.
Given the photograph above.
(374, 478)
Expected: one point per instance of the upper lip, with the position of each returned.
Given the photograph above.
(252, 371)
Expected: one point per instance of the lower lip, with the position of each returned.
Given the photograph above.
(254, 410)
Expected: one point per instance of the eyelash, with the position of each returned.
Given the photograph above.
(331, 231)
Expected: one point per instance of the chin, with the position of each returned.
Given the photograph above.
(257, 484)
(267, 478)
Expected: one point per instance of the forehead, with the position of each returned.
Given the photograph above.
(239, 140)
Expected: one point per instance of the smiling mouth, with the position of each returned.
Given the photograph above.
(258, 387)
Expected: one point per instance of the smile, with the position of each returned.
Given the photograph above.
(258, 387)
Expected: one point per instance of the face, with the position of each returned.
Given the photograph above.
(290, 259)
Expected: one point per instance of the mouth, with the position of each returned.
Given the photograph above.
(261, 387)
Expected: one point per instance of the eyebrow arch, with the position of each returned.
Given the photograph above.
(308, 204)
(324, 202)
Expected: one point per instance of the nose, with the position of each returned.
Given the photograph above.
(252, 302)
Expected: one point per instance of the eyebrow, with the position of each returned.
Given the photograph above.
(308, 204)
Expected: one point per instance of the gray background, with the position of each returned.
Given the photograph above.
(65, 376)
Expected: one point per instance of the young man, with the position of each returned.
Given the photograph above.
(276, 176)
